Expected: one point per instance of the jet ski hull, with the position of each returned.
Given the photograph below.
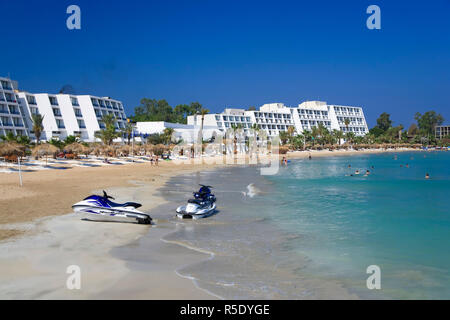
(190, 212)
(122, 214)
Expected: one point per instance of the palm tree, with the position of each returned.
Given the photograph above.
(347, 123)
(338, 134)
(290, 131)
(350, 137)
(127, 131)
(108, 134)
(38, 127)
(284, 137)
(235, 128)
(308, 136)
(167, 133)
(202, 112)
(314, 134)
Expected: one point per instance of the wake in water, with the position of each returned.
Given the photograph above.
(251, 191)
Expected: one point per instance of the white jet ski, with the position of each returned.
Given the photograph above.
(203, 205)
(101, 208)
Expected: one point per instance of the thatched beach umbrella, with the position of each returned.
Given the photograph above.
(11, 149)
(123, 150)
(44, 149)
(149, 148)
(76, 147)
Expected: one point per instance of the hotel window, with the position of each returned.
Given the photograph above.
(227, 125)
(60, 124)
(81, 124)
(219, 124)
(56, 112)
(74, 101)
(225, 118)
(78, 113)
(217, 118)
(31, 100)
(94, 102)
(53, 101)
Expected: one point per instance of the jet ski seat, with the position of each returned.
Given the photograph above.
(126, 204)
(196, 201)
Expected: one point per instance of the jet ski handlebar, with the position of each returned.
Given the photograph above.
(105, 195)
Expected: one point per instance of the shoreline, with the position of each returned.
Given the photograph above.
(48, 228)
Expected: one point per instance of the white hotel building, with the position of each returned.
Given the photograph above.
(276, 117)
(63, 114)
(11, 113)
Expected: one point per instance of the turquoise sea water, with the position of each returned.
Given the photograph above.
(312, 230)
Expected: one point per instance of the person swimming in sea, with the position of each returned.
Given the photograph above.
(357, 172)
(309, 156)
(407, 165)
(367, 172)
(427, 176)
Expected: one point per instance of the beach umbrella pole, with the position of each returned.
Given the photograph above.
(20, 172)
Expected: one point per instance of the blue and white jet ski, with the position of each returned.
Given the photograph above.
(203, 205)
(101, 208)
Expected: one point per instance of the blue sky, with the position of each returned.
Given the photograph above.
(236, 53)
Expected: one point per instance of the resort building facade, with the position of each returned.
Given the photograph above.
(186, 133)
(12, 115)
(276, 117)
(63, 114)
(442, 131)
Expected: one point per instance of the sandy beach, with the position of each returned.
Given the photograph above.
(39, 235)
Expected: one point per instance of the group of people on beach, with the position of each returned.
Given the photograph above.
(154, 160)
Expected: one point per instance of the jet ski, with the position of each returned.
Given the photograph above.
(101, 208)
(201, 206)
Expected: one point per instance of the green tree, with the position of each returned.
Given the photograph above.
(38, 126)
(376, 131)
(298, 141)
(350, 137)
(127, 131)
(413, 130)
(70, 139)
(338, 134)
(284, 137)
(109, 133)
(167, 135)
(384, 122)
(428, 121)
(347, 123)
(57, 143)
